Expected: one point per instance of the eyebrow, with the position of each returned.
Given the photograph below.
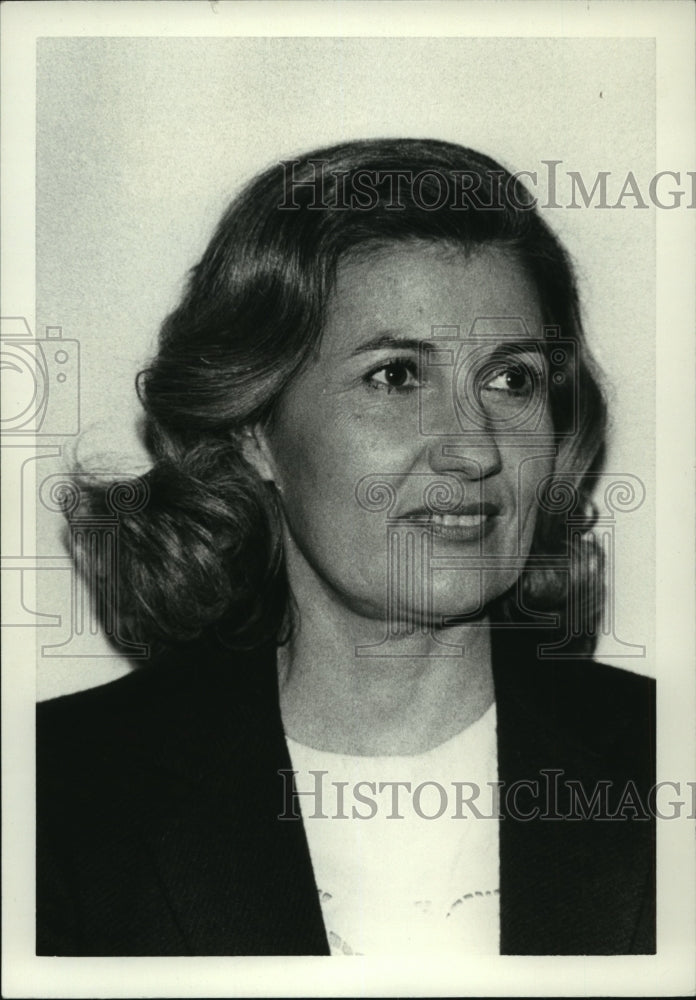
(389, 340)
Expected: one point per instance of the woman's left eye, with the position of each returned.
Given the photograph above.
(394, 376)
(516, 379)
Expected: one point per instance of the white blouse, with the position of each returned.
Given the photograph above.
(408, 868)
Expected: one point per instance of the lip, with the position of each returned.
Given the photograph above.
(466, 523)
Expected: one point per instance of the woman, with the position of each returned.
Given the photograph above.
(354, 568)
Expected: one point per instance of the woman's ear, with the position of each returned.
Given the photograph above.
(257, 452)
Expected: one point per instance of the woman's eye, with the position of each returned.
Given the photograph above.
(515, 379)
(394, 375)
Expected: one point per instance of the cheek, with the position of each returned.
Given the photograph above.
(324, 452)
(319, 458)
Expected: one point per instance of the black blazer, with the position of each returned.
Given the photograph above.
(159, 796)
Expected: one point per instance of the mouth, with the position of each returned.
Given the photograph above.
(467, 523)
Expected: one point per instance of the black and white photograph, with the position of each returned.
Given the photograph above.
(348, 535)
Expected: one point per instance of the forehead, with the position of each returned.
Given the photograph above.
(417, 291)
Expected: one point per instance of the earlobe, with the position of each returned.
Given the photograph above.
(256, 451)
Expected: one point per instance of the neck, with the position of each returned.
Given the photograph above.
(348, 686)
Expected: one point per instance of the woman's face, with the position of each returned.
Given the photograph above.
(424, 376)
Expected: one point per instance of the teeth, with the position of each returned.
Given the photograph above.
(459, 520)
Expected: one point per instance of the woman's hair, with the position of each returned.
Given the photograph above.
(206, 548)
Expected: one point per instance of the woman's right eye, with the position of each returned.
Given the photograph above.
(394, 376)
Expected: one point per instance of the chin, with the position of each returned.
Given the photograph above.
(470, 597)
(454, 595)
(443, 613)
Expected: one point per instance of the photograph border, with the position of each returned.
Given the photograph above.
(671, 971)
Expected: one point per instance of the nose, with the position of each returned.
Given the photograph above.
(473, 456)
(459, 433)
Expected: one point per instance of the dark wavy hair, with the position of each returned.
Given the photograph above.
(206, 547)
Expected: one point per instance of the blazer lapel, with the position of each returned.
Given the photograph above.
(568, 886)
(239, 881)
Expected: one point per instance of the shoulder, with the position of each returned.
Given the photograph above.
(595, 708)
(170, 703)
(582, 685)
(607, 706)
(574, 686)
(588, 688)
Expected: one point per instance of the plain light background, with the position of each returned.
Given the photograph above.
(141, 142)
